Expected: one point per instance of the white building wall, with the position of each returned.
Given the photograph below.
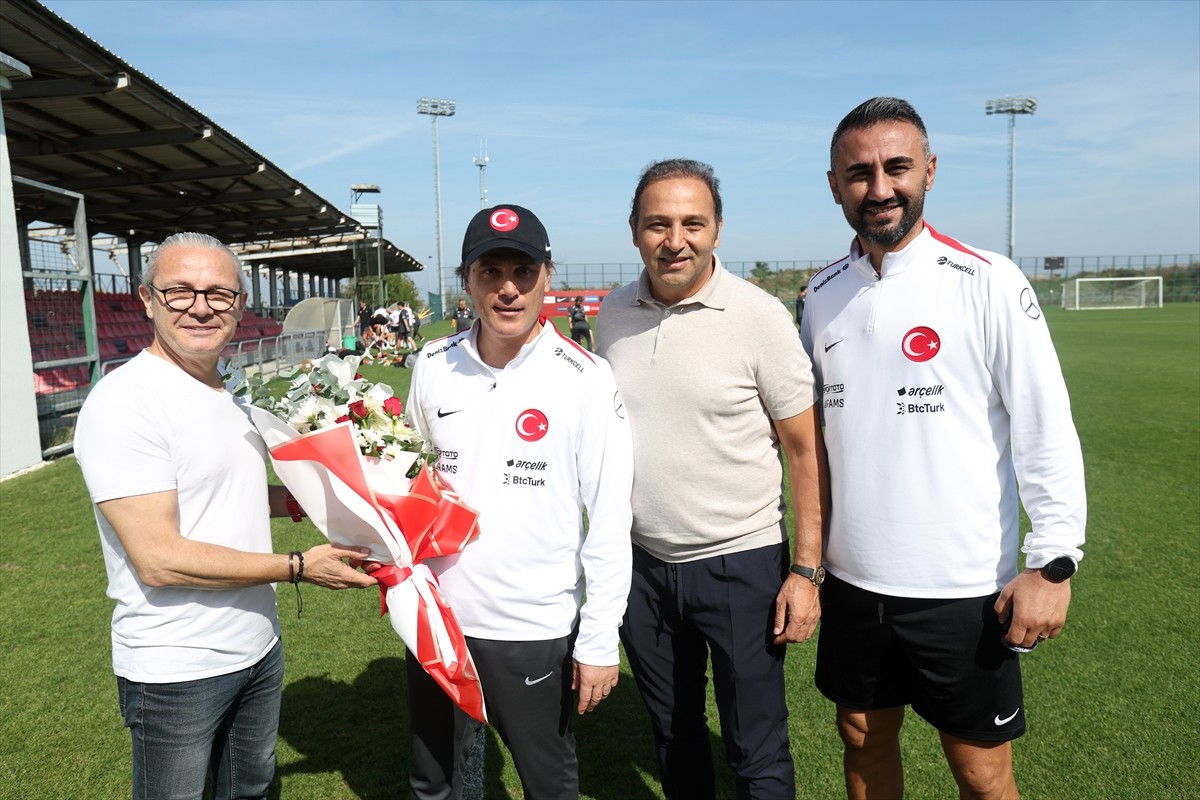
(20, 444)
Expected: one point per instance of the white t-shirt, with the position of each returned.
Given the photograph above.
(940, 391)
(150, 427)
(530, 447)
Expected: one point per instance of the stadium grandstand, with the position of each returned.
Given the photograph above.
(97, 160)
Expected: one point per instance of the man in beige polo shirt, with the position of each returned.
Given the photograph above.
(717, 385)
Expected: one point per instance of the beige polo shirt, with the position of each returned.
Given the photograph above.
(702, 380)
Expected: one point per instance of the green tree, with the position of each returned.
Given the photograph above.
(761, 271)
(401, 287)
(398, 287)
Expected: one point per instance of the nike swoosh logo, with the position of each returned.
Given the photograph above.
(528, 682)
(447, 413)
(999, 721)
(829, 347)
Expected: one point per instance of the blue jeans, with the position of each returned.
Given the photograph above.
(222, 728)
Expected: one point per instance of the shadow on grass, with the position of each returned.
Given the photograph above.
(615, 747)
(360, 730)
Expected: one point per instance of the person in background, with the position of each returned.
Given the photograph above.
(416, 328)
(942, 396)
(364, 323)
(581, 331)
(531, 432)
(177, 476)
(463, 316)
(408, 323)
(712, 410)
(396, 329)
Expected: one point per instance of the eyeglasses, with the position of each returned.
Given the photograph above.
(181, 298)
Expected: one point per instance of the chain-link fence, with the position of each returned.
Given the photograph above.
(784, 279)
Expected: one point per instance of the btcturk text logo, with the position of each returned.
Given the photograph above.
(532, 425)
(920, 344)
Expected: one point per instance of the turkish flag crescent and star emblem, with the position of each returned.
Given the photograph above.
(532, 425)
(921, 344)
(504, 220)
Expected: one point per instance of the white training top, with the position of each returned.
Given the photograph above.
(150, 427)
(937, 381)
(529, 447)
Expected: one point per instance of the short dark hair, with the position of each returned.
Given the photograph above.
(676, 168)
(461, 270)
(875, 111)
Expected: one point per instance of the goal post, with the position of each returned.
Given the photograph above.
(1113, 293)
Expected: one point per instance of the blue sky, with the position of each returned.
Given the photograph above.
(574, 98)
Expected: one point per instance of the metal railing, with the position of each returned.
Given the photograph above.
(270, 356)
(784, 279)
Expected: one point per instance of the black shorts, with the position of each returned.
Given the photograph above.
(942, 657)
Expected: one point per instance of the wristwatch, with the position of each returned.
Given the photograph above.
(1060, 569)
(814, 574)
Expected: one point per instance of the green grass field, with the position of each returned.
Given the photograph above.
(1114, 707)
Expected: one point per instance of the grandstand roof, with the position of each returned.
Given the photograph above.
(149, 164)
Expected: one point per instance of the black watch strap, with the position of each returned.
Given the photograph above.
(1060, 569)
(815, 574)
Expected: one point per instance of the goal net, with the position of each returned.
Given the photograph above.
(1092, 293)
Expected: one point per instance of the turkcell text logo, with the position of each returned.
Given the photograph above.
(565, 356)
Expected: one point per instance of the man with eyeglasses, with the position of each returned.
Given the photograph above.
(177, 476)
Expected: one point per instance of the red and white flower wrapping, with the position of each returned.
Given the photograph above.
(366, 502)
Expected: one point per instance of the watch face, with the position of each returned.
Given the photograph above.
(1060, 569)
(818, 576)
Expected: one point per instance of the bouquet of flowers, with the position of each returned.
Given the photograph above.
(342, 446)
(330, 391)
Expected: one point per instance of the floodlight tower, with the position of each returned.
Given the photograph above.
(481, 161)
(1012, 106)
(437, 108)
(370, 217)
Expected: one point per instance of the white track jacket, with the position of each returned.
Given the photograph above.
(529, 447)
(940, 390)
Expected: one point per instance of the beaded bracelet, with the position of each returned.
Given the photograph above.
(295, 574)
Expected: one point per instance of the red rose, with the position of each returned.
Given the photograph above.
(393, 407)
(358, 409)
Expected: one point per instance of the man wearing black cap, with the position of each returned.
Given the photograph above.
(528, 429)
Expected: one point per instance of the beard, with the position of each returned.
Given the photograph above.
(887, 235)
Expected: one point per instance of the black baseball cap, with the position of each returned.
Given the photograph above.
(505, 226)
